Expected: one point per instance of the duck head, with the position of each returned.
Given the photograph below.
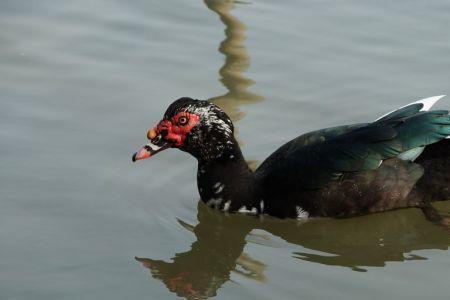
(195, 126)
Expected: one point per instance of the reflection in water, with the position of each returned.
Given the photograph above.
(201, 271)
(236, 63)
(368, 241)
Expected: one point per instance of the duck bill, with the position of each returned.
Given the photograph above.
(149, 150)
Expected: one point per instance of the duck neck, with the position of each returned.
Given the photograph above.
(226, 182)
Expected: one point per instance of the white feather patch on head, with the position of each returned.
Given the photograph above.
(208, 115)
(214, 131)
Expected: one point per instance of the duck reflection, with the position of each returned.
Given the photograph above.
(368, 241)
(356, 243)
(237, 61)
(201, 271)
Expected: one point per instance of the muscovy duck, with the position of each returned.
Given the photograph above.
(400, 160)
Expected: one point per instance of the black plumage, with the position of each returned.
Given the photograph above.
(337, 172)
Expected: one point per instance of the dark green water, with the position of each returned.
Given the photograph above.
(82, 81)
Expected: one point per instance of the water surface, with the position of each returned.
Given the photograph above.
(82, 81)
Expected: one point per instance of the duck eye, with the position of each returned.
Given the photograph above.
(182, 120)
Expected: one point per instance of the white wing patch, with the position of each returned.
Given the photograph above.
(412, 154)
(427, 104)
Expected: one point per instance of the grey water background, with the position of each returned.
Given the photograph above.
(82, 81)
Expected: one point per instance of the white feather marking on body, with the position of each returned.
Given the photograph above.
(244, 210)
(226, 206)
(301, 214)
(214, 202)
(219, 188)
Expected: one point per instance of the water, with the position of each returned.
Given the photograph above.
(82, 81)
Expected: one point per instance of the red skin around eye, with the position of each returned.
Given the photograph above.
(177, 132)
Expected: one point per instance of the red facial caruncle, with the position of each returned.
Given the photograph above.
(168, 133)
(177, 128)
